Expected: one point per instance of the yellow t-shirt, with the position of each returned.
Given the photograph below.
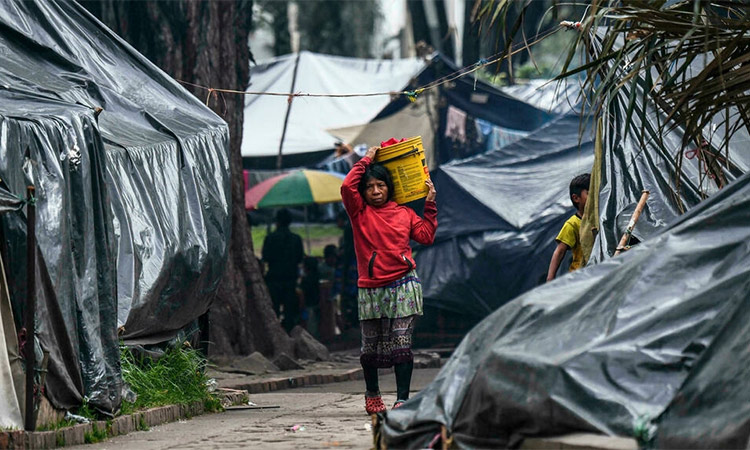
(570, 236)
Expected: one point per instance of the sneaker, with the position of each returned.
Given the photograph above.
(374, 405)
(398, 404)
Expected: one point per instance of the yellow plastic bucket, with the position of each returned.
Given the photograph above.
(406, 163)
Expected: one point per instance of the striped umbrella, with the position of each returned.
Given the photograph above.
(296, 188)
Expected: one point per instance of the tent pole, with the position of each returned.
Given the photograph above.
(288, 110)
(307, 232)
(29, 312)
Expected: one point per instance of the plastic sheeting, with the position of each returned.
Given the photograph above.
(9, 202)
(309, 118)
(488, 118)
(132, 204)
(633, 163)
(651, 344)
(556, 97)
(499, 214)
(652, 340)
(75, 268)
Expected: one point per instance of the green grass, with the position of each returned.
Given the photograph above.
(95, 435)
(321, 234)
(62, 423)
(178, 377)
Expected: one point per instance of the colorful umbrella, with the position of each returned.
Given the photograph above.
(296, 188)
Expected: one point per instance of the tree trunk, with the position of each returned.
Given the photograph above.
(206, 43)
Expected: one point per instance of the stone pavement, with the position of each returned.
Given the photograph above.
(318, 406)
(343, 366)
(311, 417)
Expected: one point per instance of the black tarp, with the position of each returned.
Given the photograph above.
(478, 99)
(132, 204)
(648, 344)
(9, 202)
(498, 216)
(608, 348)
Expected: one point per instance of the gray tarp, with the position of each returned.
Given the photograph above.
(650, 344)
(498, 217)
(610, 347)
(133, 204)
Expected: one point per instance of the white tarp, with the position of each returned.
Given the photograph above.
(11, 372)
(310, 117)
(417, 119)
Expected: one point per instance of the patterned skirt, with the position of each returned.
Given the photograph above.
(387, 317)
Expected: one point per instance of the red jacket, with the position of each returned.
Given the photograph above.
(382, 234)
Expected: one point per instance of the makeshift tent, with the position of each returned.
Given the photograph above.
(649, 344)
(457, 119)
(500, 212)
(132, 200)
(306, 140)
(630, 164)
(498, 216)
(655, 337)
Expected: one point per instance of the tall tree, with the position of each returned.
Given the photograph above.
(338, 27)
(282, 42)
(431, 25)
(206, 43)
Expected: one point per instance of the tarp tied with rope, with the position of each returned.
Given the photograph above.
(343, 88)
(651, 344)
(132, 185)
(649, 340)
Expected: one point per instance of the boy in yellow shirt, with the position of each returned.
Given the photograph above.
(569, 236)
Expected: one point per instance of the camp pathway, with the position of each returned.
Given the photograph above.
(324, 416)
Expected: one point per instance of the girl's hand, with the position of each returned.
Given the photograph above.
(432, 193)
(371, 152)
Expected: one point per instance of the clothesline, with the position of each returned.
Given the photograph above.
(411, 95)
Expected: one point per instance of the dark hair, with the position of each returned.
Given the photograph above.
(329, 250)
(578, 185)
(379, 172)
(283, 217)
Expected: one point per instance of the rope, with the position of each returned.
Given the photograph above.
(571, 25)
(411, 95)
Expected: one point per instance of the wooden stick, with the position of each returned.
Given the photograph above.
(30, 313)
(631, 224)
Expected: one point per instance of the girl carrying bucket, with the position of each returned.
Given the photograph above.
(390, 293)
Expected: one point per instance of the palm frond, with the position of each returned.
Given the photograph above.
(687, 58)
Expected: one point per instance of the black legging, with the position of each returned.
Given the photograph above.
(403, 379)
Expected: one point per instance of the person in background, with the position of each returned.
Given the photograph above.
(389, 290)
(327, 268)
(342, 149)
(282, 252)
(345, 279)
(310, 290)
(328, 307)
(569, 236)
